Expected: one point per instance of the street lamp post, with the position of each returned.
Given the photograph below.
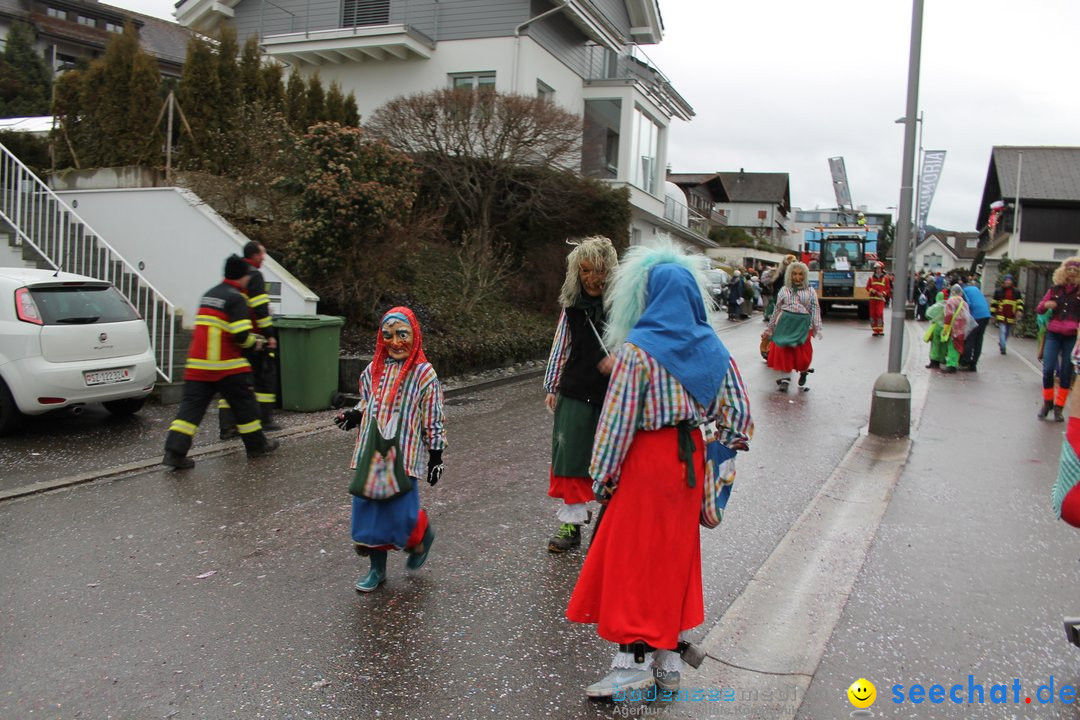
(890, 408)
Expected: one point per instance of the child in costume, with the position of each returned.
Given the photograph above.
(641, 580)
(576, 380)
(938, 347)
(957, 323)
(795, 320)
(400, 420)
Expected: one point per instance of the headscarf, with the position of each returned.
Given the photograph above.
(636, 293)
(382, 354)
(674, 330)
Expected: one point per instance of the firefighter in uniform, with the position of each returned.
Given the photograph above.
(879, 289)
(216, 364)
(263, 360)
(1007, 306)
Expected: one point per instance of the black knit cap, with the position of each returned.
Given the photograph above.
(235, 267)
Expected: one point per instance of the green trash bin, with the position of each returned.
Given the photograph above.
(308, 347)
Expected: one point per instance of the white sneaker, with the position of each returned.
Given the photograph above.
(620, 679)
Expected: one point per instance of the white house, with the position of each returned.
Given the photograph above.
(942, 251)
(582, 54)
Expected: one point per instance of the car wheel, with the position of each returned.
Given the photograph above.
(127, 406)
(10, 417)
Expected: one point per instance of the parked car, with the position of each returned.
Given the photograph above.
(67, 340)
(718, 281)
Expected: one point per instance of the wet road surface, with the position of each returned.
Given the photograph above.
(226, 591)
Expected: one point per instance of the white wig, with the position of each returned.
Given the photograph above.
(597, 250)
(806, 275)
(625, 299)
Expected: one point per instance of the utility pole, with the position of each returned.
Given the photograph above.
(890, 407)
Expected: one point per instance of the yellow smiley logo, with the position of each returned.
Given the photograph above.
(862, 693)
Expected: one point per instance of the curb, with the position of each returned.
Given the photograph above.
(219, 449)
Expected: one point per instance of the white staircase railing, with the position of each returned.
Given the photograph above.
(66, 242)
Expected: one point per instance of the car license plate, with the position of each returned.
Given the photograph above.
(105, 377)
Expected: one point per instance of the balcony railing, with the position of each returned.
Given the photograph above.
(678, 213)
(419, 16)
(604, 65)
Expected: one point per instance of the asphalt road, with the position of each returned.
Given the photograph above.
(226, 591)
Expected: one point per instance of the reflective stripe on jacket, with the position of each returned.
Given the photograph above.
(223, 330)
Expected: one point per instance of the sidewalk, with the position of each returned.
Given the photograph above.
(918, 562)
(970, 572)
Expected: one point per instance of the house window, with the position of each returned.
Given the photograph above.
(87, 21)
(365, 12)
(1064, 253)
(973, 243)
(544, 91)
(600, 139)
(473, 80)
(932, 261)
(646, 145)
(113, 27)
(56, 13)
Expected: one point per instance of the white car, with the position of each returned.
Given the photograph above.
(67, 340)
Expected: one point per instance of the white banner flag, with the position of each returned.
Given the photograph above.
(933, 162)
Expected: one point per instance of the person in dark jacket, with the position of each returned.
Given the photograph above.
(736, 288)
(216, 364)
(264, 360)
(1007, 306)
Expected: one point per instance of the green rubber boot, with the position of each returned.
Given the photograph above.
(377, 575)
(417, 558)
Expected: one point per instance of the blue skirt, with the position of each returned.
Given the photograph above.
(386, 523)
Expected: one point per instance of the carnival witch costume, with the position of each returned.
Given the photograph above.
(795, 320)
(641, 580)
(400, 415)
(576, 381)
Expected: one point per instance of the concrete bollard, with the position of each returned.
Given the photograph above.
(890, 407)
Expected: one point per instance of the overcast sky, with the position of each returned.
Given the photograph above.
(782, 85)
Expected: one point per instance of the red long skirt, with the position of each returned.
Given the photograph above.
(642, 575)
(798, 357)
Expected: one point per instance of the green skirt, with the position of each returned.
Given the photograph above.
(572, 436)
(791, 329)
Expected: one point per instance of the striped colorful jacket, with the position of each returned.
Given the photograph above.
(643, 395)
(419, 409)
(557, 357)
(223, 331)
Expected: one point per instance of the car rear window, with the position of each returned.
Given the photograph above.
(82, 305)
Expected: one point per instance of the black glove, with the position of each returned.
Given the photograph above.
(602, 491)
(434, 467)
(348, 419)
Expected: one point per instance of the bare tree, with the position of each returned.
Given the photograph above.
(476, 144)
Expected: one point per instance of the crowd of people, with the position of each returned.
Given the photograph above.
(639, 384)
(959, 314)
